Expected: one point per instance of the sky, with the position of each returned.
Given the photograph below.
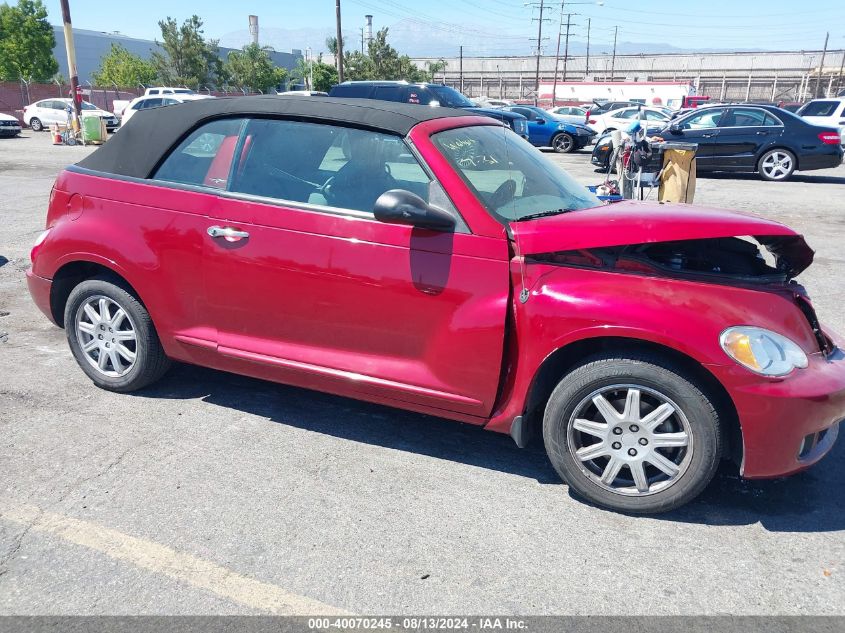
(489, 26)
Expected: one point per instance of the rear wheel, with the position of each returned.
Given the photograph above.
(112, 336)
(632, 434)
(563, 143)
(776, 164)
(35, 124)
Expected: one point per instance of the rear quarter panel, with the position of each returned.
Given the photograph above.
(134, 230)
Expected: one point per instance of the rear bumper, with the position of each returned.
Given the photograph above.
(821, 161)
(791, 424)
(39, 290)
(9, 131)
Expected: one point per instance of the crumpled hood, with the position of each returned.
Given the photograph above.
(633, 222)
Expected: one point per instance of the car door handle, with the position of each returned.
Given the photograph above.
(763, 133)
(710, 135)
(227, 232)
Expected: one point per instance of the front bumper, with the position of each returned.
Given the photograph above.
(8, 130)
(790, 424)
(40, 289)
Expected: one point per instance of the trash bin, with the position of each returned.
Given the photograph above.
(93, 129)
(677, 180)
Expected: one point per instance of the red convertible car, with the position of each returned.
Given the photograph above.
(434, 261)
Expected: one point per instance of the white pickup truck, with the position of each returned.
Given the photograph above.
(120, 105)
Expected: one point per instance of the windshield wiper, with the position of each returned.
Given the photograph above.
(542, 214)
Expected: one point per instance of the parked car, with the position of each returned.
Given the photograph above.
(546, 130)
(828, 112)
(9, 125)
(371, 251)
(303, 93)
(597, 108)
(792, 106)
(622, 118)
(42, 113)
(742, 138)
(425, 94)
(147, 103)
(494, 103)
(571, 114)
(167, 90)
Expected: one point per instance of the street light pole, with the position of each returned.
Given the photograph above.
(587, 71)
(613, 63)
(821, 67)
(557, 55)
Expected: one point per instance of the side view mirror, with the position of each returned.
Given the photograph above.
(540, 121)
(399, 206)
(674, 128)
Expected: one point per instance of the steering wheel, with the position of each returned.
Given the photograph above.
(504, 193)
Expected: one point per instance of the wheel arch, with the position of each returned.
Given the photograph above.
(71, 274)
(561, 361)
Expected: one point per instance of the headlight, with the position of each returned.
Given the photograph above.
(762, 351)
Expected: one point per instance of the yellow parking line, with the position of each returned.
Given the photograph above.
(164, 560)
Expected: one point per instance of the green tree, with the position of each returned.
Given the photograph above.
(325, 75)
(253, 67)
(187, 58)
(26, 42)
(121, 67)
(386, 63)
(331, 44)
(432, 68)
(358, 67)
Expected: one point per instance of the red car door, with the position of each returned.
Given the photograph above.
(305, 287)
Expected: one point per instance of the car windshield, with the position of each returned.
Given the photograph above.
(450, 98)
(512, 179)
(89, 106)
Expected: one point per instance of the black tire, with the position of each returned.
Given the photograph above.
(650, 374)
(35, 124)
(563, 143)
(783, 159)
(150, 362)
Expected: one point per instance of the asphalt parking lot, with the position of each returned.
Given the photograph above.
(212, 493)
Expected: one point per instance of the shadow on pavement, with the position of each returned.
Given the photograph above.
(813, 501)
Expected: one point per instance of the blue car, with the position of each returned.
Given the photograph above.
(548, 130)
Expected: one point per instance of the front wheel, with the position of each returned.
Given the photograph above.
(35, 124)
(563, 143)
(632, 434)
(112, 336)
(776, 164)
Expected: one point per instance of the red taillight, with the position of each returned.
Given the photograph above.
(830, 138)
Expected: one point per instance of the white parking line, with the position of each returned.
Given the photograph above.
(164, 560)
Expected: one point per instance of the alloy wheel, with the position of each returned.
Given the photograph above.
(777, 165)
(563, 143)
(631, 440)
(107, 336)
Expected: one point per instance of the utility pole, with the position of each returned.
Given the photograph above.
(613, 63)
(557, 55)
(841, 68)
(587, 71)
(362, 39)
(821, 67)
(566, 51)
(539, 43)
(566, 46)
(339, 43)
(71, 63)
(461, 69)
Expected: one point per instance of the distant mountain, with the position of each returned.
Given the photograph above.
(416, 40)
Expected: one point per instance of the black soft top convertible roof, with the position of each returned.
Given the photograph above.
(136, 149)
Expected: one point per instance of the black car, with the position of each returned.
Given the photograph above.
(748, 138)
(425, 94)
